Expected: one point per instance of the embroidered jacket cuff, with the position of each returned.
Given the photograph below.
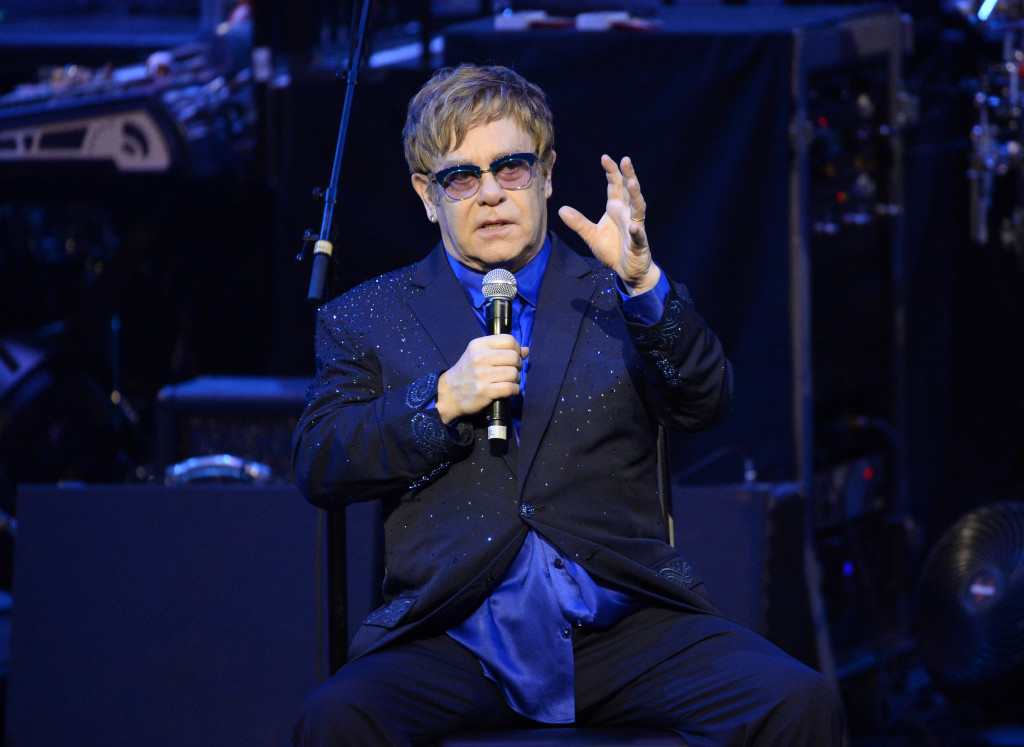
(440, 442)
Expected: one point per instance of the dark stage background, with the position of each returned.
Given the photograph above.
(805, 167)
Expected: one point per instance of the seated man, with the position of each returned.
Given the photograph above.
(532, 584)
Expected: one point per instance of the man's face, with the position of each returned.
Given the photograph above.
(496, 227)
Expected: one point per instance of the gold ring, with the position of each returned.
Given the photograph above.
(638, 220)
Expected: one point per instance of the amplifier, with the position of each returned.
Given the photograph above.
(248, 417)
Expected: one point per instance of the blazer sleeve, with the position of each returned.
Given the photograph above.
(363, 435)
(690, 380)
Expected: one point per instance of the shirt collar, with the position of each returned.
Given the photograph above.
(528, 278)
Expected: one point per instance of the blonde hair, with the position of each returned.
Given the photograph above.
(455, 100)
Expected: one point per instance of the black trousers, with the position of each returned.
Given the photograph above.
(712, 681)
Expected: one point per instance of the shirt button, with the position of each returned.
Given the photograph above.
(558, 563)
(526, 510)
(566, 632)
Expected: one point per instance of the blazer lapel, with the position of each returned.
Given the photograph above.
(442, 306)
(565, 294)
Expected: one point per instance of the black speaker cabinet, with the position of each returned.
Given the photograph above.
(149, 615)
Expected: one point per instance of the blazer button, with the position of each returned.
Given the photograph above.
(558, 563)
(526, 510)
(566, 632)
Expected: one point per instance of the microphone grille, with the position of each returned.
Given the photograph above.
(499, 284)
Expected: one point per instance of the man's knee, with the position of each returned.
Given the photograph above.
(339, 711)
(808, 703)
(812, 689)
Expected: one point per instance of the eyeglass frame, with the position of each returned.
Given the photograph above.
(438, 176)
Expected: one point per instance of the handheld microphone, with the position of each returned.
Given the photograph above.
(499, 288)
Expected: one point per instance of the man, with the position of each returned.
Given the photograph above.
(535, 586)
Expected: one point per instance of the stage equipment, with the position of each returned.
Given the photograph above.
(55, 421)
(997, 153)
(189, 109)
(322, 246)
(158, 616)
(238, 429)
(970, 608)
(228, 427)
(565, 8)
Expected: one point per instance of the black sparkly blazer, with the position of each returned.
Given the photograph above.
(583, 475)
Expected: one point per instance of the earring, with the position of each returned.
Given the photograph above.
(433, 218)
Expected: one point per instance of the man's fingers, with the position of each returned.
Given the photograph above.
(574, 219)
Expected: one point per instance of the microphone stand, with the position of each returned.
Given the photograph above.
(336, 529)
(322, 248)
